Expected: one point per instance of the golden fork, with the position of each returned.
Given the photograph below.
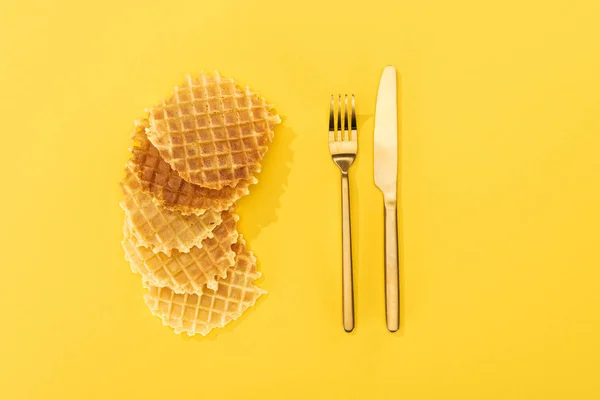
(343, 146)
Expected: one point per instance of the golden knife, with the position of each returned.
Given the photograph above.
(386, 177)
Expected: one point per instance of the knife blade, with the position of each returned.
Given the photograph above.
(386, 177)
(386, 135)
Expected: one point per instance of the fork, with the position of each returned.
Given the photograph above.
(343, 146)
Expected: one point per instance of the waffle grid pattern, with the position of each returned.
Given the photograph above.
(211, 132)
(161, 229)
(198, 314)
(170, 190)
(191, 271)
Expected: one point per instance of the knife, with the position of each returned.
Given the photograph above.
(386, 175)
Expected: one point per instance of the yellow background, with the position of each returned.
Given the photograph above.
(500, 187)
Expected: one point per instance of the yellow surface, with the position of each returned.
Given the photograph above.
(500, 186)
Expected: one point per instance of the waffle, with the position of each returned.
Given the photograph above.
(212, 132)
(158, 228)
(199, 313)
(186, 272)
(169, 189)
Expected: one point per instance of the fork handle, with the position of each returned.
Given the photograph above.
(392, 281)
(347, 281)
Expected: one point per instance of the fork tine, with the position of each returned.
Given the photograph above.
(331, 121)
(346, 126)
(338, 132)
(354, 132)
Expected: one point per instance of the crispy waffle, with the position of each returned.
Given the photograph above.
(211, 131)
(169, 189)
(200, 313)
(159, 228)
(186, 272)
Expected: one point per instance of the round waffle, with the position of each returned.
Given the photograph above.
(211, 131)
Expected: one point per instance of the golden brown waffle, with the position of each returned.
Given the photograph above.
(198, 314)
(169, 189)
(158, 228)
(211, 131)
(186, 272)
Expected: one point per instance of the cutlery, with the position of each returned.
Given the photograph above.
(343, 146)
(386, 171)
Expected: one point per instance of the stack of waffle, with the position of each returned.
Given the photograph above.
(193, 156)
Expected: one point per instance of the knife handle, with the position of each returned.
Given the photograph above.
(347, 281)
(392, 281)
